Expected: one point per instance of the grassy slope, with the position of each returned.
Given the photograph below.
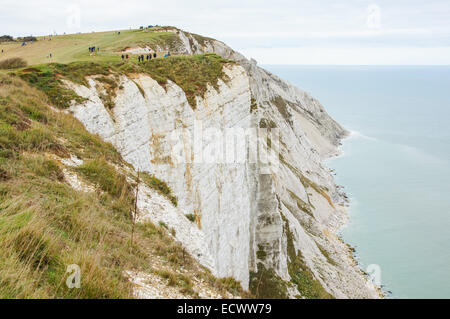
(45, 225)
(74, 47)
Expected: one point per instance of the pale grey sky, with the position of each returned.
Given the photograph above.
(273, 32)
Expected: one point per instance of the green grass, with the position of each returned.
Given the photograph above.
(160, 186)
(26, 124)
(47, 78)
(101, 173)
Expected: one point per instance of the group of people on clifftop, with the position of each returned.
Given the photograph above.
(143, 58)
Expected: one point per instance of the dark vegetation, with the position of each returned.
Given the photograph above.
(6, 38)
(27, 39)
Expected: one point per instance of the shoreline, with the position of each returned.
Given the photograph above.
(352, 251)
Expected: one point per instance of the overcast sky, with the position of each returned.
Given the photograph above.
(272, 32)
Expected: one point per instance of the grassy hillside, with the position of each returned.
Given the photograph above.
(74, 47)
(46, 225)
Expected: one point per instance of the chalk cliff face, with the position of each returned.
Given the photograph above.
(247, 213)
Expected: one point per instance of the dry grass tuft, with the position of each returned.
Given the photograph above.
(12, 63)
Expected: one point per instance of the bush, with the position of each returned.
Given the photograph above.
(6, 38)
(12, 63)
(27, 39)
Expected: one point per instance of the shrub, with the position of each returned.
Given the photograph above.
(6, 38)
(12, 63)
(27, 39)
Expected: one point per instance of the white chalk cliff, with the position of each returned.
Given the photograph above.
(241, 208)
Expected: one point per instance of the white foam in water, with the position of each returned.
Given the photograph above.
(356, 134)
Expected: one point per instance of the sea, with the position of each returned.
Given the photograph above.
(395, 168)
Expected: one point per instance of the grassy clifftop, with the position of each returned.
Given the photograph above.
(46, 224)
(191, 73)
(72, 59)
(74, 47)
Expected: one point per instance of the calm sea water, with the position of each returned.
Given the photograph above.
(395, 167)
